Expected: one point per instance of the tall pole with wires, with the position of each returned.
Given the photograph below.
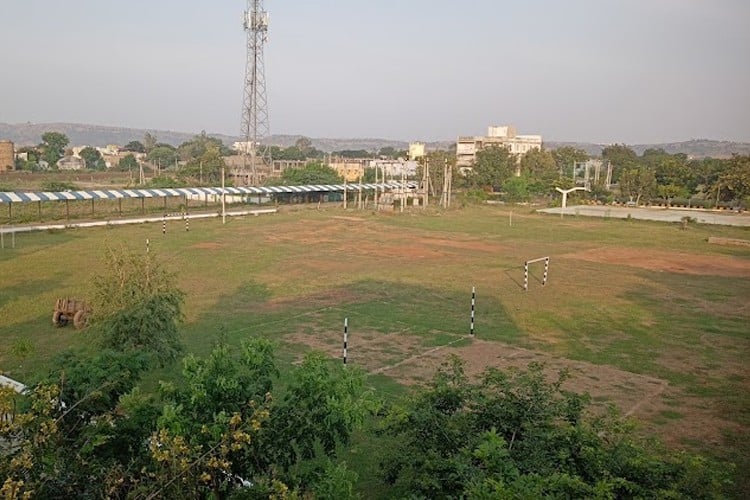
(255, 126)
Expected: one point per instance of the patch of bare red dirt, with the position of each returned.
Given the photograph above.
(659, 260)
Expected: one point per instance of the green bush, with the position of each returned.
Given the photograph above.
(680, 201)
(59, 186)
(165, 182)
(473, 196)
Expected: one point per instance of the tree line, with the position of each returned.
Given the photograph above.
(654, 176)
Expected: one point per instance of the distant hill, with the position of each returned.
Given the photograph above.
(27, 134)
(694, 148)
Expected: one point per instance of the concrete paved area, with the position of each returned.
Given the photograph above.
(723, 218)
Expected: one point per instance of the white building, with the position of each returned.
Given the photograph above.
(71, 163)
(394, 169)
(243, 146)
(416, 150)
(467, 147)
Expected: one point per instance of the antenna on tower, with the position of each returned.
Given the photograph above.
(255, 127)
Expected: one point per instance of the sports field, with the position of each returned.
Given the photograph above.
(645, 315)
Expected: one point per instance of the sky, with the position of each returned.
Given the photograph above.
(605, 71)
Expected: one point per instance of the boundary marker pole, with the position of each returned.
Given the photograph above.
(473, 301)
(346, 332)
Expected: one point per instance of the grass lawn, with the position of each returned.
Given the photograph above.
(646, 316)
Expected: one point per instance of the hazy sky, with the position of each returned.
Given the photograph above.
(631, 71)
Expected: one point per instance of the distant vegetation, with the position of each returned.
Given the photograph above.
(654, 176)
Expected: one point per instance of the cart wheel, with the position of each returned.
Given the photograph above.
(58, 319)
(79, 320)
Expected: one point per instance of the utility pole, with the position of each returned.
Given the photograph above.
(375, 196)
(255, 126)
(426, 182)
(223, 199)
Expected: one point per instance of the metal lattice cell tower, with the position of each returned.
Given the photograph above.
(255, 126)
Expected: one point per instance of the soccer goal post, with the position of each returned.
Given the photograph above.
(526, 271)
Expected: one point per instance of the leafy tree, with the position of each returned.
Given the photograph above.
(53, 146)
(620, 155)
(312, 173)
(31, 163)
(293, 438)
(200, 145)
(292, 153)
(706, 173)
(670, 170)
(670, 191)
(516, 435)
(735, 180)
(516, 189)
(493, 166)
(137, 305)
(134, 147)
(391, 153)
(304, 144)
(206, 168)
(72, 436)
(565, 158)
(638, 183)
(336, 482)
(622, 159)
(163, 155)
(88, 431)
(323, 404)
(353, 153)
(93, 158)
(221, 383)
(149, 141)
(541, 170)
(128, 163)
(368, 175)
(210, 422)
(300, 151)
(437, 161)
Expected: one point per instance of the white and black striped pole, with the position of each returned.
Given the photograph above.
(473, 302)
(148, 245)
(164, 225)
(526, 276)
(546, 270)
(187, 222)
(346, 334)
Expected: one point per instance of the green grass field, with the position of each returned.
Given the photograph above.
(647, 316)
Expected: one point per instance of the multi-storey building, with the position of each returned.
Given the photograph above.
(467, 147)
